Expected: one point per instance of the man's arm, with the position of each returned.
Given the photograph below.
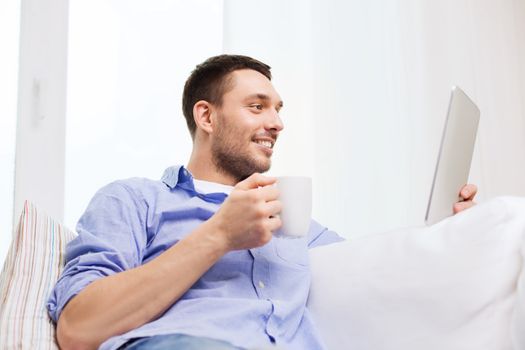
(116, 304)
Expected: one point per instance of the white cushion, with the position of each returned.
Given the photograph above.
(33, 264)
(456, 285)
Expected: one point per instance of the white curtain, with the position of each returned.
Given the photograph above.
(366, 87)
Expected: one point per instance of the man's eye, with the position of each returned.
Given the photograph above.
(257, 106)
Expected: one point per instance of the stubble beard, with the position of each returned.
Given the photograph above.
(232, 159)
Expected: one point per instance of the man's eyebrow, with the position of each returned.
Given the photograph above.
(263, 97)
(258, 96)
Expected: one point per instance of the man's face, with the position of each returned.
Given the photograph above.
(247, 125)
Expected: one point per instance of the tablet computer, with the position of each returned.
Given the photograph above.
(455, 156)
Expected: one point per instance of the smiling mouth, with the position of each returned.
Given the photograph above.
(265, 143)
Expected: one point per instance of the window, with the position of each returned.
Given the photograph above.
(125, 80)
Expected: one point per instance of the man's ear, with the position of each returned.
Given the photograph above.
(202, 114)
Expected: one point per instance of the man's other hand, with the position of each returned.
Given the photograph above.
(467, 194)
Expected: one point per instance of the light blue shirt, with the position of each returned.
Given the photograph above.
(250, 298)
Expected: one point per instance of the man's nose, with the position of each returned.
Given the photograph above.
(274, 122)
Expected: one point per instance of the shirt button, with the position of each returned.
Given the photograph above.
(261, 284)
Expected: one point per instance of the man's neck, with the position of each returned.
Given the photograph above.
(202, 168)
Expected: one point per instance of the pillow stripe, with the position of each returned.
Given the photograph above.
(27, 268)
(47, 282)
(18, 283)
(41, 275)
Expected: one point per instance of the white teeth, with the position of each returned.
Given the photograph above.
(265, 143)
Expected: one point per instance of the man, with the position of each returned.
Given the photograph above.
(189, 262)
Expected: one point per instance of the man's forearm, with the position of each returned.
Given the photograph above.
(124, 301)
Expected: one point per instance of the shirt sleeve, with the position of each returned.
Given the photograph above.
(111, 239)
(320, 235)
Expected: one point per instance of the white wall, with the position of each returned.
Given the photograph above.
(278, 34)
(41, 105)
(401, 59)
(366, 87)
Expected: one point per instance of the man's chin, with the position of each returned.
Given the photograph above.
(241, 166)
(264, 166)
(259, 168)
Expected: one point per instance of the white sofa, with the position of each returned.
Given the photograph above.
(459, 284)
(456, 285)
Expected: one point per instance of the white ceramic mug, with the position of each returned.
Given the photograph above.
(296, 198)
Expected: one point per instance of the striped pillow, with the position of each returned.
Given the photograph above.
(33, 264)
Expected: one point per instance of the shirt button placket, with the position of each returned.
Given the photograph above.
(260, 274)
(260, 280)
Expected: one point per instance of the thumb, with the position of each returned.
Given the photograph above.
(254, 181)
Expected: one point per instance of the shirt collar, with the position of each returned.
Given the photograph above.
(175, 175)
(178, 176)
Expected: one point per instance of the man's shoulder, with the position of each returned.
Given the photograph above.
(134, 186)
(137, 183)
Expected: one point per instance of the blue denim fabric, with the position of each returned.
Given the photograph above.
(178, 342)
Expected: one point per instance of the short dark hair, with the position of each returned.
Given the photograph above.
(210, 80)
